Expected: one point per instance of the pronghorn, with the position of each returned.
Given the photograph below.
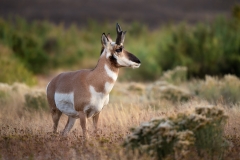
(82, 94)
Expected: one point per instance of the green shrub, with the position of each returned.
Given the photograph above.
(27, 48)
(149, 70)
(41, 46)
(175, 76)
(36, 101)
(25, 43)
(175, 137)
(12, 70)
(209, 133)
(21, 96)
(4, 96)
(11, 95)
(199, 47)
(136, 87)
(165, 90)
(225, 90)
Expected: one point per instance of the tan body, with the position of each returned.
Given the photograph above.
(78, 82)
(83, 94)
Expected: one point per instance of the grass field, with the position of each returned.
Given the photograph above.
(26, 125)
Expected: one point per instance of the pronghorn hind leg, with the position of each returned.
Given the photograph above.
(56, 114)
(83, 122)
(95, 122)
(69, 125)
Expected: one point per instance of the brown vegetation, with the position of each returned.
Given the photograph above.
(27, 134)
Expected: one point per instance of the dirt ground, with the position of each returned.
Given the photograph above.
(151, 12)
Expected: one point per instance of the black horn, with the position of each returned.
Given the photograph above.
(118, 28)
(119, 34)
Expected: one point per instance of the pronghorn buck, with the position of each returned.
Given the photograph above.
(82, 94)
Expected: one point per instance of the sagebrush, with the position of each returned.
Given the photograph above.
(201, 130)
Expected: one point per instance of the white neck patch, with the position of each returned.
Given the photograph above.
(95, 94)
(97, 101)
(106, 53)
(108, 87)
(110, 73)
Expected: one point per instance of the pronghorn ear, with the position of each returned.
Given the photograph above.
(123, 37)
(104, 40)
(109, 38)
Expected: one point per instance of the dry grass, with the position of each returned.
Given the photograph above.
(28, 134)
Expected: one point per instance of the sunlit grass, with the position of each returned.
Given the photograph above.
(27, 133)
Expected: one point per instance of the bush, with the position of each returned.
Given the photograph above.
(36, 101)
(4, 94)
(175, 76)
(225, 90)
(177, 136)
(27, 48)
(12, 70)
(11, 95)
(41, 46)
(199, 47)
(25, 43)
(21, 96)
(165, 90)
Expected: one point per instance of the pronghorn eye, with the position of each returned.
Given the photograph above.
(119, 50)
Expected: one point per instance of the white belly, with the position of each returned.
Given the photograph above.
(65, 103)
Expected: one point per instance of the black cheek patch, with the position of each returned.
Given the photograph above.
(113, 61)
(133, 58)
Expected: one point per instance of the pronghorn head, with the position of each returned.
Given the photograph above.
(115, 50)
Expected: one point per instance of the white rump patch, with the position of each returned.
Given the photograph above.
(110, 73)
(97, 101)
(65, 103)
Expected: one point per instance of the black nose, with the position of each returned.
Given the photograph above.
(133, 58)
(138, 61)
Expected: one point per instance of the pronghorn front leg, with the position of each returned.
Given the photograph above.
(95, 121)
(83, 122)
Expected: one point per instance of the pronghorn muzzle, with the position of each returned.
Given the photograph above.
(126, 59)
(135, 62)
